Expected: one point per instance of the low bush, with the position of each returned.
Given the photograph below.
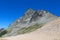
(3, 33)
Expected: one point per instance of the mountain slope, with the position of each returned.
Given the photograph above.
(50, 31)
(29, 20)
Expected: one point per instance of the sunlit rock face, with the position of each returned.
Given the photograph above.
(30, 18)
(50, 31)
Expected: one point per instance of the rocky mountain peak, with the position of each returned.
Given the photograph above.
(30, 18)
(29, 12)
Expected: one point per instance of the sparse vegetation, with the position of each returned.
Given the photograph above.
(2, 33)
(29, 29)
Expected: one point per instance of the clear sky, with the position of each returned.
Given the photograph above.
(12, 9)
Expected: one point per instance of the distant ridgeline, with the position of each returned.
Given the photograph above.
(30, 21)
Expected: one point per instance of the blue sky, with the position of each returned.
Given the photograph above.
(12, 9)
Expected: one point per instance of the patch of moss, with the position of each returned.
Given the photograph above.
(29, 29)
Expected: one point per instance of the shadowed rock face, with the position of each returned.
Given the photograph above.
(30, 18)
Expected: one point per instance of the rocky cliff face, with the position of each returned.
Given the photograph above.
(28, 21)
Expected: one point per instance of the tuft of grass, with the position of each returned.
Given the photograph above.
(29, 29)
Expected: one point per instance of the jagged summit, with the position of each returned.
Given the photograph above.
(30, 18)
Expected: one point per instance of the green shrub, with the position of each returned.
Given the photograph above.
(2, 33)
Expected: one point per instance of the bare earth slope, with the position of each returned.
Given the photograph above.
(50, 31)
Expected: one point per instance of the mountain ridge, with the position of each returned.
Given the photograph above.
(30, 18)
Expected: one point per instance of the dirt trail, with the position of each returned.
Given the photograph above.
(50, 31)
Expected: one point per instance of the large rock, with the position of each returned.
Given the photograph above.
(50, 31)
